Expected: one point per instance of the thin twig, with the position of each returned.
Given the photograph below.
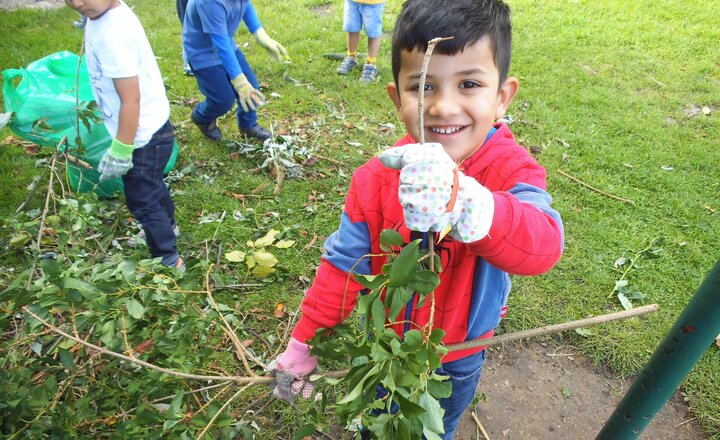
(243, 354)
(220, 411)
(575, 179)
(421, 128)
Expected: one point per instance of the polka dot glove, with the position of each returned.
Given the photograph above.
(291, 369)
(435, 196)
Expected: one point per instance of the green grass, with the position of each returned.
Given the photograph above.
(605, 93)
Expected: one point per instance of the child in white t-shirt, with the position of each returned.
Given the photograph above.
(130, 93)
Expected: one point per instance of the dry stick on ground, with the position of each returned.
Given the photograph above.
(421, 129)
(480, 425)
(575, 179)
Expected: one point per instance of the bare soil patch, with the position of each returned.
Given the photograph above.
(539, 390)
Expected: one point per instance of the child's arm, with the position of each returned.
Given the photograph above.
(273, 48)
(117, 160)
(128, 89)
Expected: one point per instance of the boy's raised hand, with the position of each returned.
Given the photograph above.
(273, 48)
(291, 369)
(249, 97)
(436, 196)
(116, 161)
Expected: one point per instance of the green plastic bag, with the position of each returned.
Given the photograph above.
(42, 99)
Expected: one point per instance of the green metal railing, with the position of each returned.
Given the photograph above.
(693, 332)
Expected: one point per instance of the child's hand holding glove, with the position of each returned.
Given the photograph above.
(291, 369)
(116, 161)
(250, 98)
(273, 48)
(428, 180)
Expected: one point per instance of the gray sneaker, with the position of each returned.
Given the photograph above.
(347, 65)
(369, 73)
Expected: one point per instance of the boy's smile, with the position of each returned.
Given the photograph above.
(462, 97)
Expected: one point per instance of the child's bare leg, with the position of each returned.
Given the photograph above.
(350, 61)
(373, 49)
(353, 40)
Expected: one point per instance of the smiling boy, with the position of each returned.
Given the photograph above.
(500, 220)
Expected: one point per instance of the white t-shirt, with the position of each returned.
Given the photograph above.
(116, 47)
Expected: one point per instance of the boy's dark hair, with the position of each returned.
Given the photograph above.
(467, 21)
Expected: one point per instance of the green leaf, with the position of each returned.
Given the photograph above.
(390, 238)
(402, 432)
(399, 298)
(432, 417)
(627, 305)
(439, 389)
(304, 431)
(357, 391)
(371, 281)
(584, 332)
(408, 408)
(405, 264)
(66, 358)
(378, 316)
(88, 291)
(565, 391)
(424, 281)
(128, 269)
(134, 308)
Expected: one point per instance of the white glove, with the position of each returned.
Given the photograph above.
(249, 97)
(273, 48)
(427, 178)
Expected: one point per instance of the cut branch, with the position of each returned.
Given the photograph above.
(555, 328)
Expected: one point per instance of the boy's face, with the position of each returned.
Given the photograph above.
(462, 97)
(92, 9)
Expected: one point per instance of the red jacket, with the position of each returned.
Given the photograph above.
(526, 238)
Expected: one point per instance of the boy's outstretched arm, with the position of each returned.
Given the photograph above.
(117, 160)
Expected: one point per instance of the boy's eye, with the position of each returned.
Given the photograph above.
(416, 87)
(469, 84)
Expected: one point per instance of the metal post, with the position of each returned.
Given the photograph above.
(693, 332)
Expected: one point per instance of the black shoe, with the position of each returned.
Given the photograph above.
(211, 130)
(256, 132)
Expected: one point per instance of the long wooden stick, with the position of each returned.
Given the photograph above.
(555, 328)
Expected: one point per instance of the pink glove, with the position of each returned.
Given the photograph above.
(290, 370)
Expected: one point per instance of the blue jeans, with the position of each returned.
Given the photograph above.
(220, 95)
(147, 197)
(464, 377)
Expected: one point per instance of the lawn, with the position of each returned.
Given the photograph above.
(621, 96)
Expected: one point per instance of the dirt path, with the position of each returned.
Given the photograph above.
(538, 391)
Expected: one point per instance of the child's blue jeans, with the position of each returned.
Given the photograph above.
(220, 95)
(147, 197)
(464, 377)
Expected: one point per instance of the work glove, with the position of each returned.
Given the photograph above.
(291, 369)
(436, 196)
(250, 98)
(273, 48)
(116, 161)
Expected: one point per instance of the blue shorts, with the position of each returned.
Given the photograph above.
(358, 15)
